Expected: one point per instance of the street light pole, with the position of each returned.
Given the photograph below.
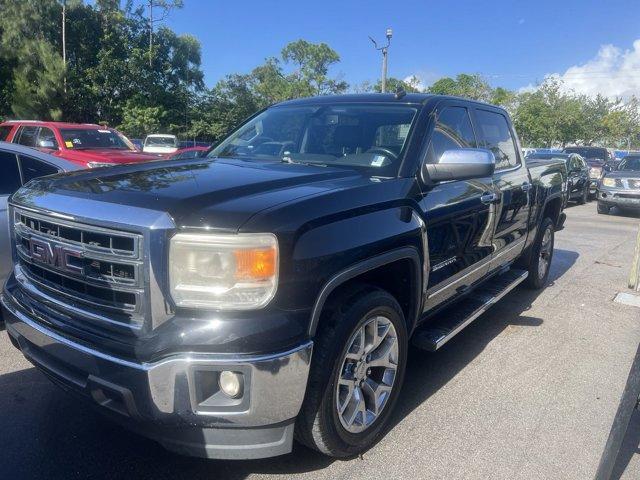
(385, 54)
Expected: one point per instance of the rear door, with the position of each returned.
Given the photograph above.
(458, 218)
(9, 183)
(512, 182)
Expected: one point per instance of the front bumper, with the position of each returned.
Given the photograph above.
(619, 197)
(176, 400)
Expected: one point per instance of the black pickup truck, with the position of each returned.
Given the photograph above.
(222, 305)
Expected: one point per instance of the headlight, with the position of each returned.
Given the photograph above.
(232, 272)
(100, 164)
(608, 182)
(595, 172)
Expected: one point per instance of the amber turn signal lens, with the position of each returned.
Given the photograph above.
(255, 264)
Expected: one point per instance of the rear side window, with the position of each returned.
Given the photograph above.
(32, 168)
(46, 139)
(4, 132)
(495, 135)
(10, 178)
(27, 136)
(453, 130)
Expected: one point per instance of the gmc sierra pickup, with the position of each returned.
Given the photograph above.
(223, 305)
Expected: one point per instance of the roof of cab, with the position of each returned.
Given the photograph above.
(409, 98)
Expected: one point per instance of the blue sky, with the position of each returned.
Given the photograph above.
(513, 43)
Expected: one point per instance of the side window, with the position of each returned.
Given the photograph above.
(32, 168)
(453, 130)
(46, 139)
(27, 136)
(4, 132)
(496, 136)
(10, 178)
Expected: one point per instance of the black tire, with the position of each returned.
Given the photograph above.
(603, 209)
(318, 425)
(584, 197)
(538, 279)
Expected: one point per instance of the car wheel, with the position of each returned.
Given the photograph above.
(541, 256)
(358, 367)
(603, 209)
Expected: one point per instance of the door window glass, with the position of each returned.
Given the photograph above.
(453, 130)
(46, 139)
(27, 136)
(4, 132)
(10, 178)
(32, 168)
(495, 135)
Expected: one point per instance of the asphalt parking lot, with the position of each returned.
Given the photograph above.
(528, 391)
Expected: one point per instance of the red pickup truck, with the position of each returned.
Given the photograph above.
(81, 143)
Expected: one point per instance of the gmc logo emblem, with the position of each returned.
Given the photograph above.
(54, 255)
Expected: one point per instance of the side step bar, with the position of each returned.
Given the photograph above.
(448, 323)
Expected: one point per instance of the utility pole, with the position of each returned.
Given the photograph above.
(64, 42)
(150, 33)
(385, 54)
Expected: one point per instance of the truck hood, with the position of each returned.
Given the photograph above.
(105, 156)
(200, 193)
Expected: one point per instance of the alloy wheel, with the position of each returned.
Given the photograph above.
(367, 374)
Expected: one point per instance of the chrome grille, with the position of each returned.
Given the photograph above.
(619, 183)
(634, 183)
(82, 266)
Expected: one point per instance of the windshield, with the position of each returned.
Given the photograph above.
(630, 163)
(86, 138)
(161, 142)
(585, 152)
(364, 136)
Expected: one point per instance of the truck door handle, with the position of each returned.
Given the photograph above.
(489, 198)
(526, 186)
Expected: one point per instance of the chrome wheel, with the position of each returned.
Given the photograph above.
(367, 374)
(546, 249)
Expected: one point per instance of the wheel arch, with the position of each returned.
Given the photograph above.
(366, 271)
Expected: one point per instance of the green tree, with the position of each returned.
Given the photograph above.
(411, 85)
(311, 64)
(464, 85)
(138, 121)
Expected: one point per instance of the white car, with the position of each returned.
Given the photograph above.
(160, 144)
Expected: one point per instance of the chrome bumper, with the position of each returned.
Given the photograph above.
(619, 197)
(176, 400)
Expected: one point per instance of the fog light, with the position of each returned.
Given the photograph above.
(230, 383)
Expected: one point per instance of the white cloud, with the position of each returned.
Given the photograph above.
(613, 72)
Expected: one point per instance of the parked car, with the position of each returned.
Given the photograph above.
(596, 153)
(578, 182)
(86, 145)
(160, 144)
(19, 166)
(189, 152)
(621, 187)
(346, 226)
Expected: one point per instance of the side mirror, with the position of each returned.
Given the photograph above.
(46, 144)
(462, 164)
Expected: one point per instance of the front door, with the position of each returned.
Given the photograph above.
(512, 182)
(457, 214)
